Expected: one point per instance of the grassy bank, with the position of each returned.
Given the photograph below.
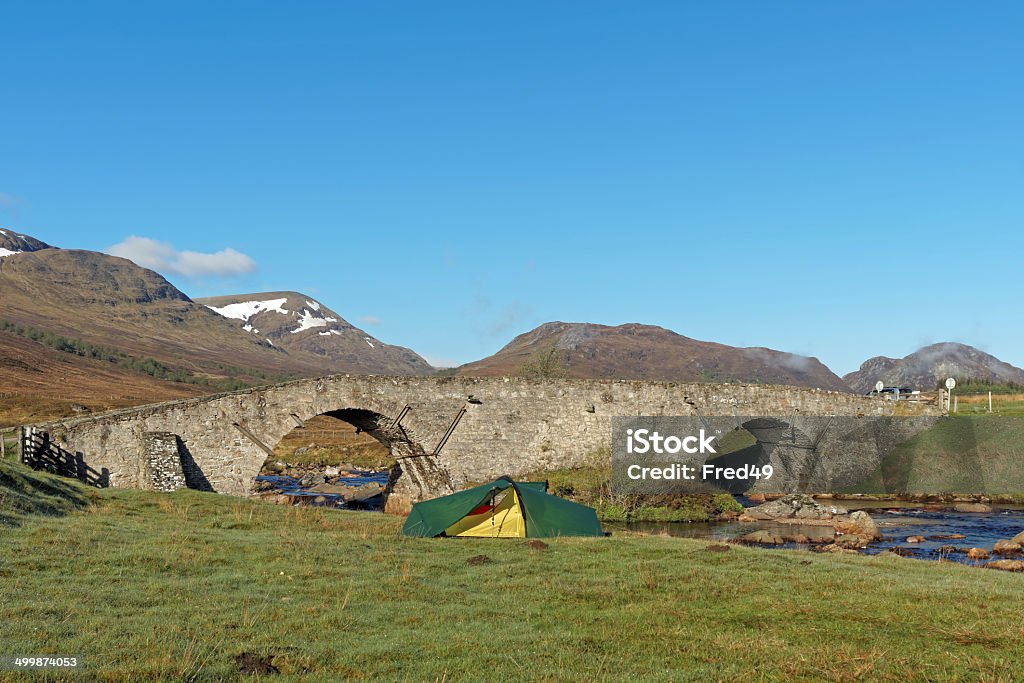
(960, 454)
(176, 587)
(25, 495)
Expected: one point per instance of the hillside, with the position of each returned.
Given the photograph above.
(110, 301)
(927, 366)
(302, 325)
(635, 351)
(39, 383)
(92, 330)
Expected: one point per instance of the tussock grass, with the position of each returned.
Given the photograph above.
(176, 586)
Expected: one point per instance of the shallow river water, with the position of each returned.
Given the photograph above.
(290, 486)
(895, 520)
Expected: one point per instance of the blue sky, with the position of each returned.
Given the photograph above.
(838, 179)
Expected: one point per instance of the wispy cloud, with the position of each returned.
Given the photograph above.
(440, 361)
(492, 322)
(506, 320)
(9, 201)
(370, 320)
(164, 258)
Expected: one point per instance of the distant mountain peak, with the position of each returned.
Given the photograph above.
(925, 368)
(296, 321)
(12, 243)
(300, 312)
(647, 352)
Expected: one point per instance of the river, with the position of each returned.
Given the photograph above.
(896, 521)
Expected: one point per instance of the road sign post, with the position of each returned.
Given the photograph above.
(950, 385)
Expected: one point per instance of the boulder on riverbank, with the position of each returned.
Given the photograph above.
(795, 507)
(836, 548)
(977, 554)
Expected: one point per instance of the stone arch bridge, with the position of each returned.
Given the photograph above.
(443, 431)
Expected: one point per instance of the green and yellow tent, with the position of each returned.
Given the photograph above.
(502, 509)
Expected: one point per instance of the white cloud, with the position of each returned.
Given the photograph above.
(9, 201)
(370, 320)
(164, 258)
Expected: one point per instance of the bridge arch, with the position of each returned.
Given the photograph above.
(414, 474)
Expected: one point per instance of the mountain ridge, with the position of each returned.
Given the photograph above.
(294, 321)
(926, 367)
(647, 352)
(71, 306)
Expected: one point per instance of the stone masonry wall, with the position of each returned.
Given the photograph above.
(164, 461)
(512, 425)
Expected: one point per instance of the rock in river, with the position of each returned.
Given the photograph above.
(795, 506)
(972, 507)
(852, 541)
(859, 523)
(763, 537)
(1006, 548)
(311, 479)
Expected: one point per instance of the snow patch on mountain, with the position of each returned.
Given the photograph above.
(309, 320)
(7, 252)
(245, 310)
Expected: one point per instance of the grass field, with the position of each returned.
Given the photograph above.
(178, 586)
(1002, 404)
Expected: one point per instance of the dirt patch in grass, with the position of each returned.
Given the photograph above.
(250, 664)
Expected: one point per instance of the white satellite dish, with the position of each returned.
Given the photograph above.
(879, 385)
